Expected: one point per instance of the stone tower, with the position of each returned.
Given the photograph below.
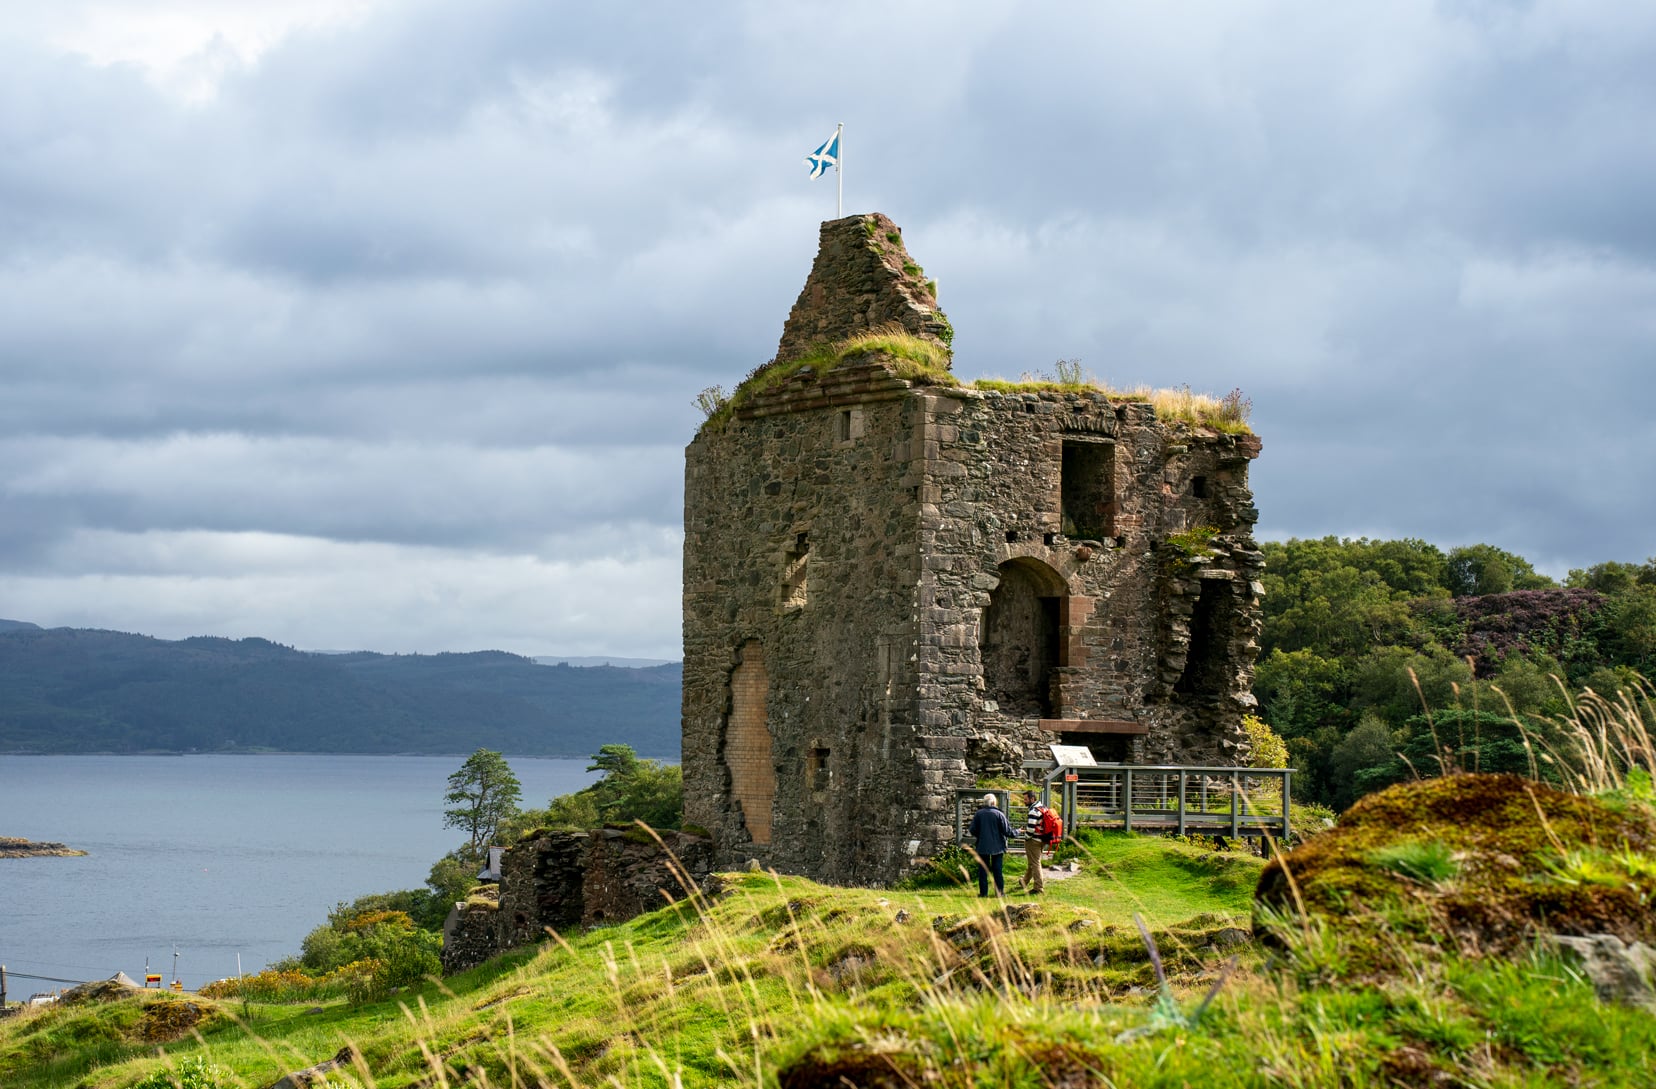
(894, 586)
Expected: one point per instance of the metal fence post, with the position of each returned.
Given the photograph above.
(1286, 777)
(1127, 802)
(1236, 800)
(1181, 803)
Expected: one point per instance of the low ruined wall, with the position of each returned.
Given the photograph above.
(627, 872)
(541, 886)
(561, 881)
(471, 934)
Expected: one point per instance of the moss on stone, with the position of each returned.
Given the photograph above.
(1506, 834)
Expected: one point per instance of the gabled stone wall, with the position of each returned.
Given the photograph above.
(938, 583)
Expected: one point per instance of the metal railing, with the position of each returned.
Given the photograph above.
(1174, 798)
(1226, 801)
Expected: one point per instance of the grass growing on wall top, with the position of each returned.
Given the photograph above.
(1227, 415)
(920, 360)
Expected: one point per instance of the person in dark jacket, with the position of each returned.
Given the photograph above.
(993, 832)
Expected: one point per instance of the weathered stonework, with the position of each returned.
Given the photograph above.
(564, 881)
(863, 280)
(912, 587)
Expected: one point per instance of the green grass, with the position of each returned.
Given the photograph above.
(1429, 860)
(785, 976)
(920, 360)
(1226, 415)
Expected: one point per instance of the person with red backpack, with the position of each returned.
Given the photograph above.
(1043, 828)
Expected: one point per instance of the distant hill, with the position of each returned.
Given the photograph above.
(629, 663)
(65, 690)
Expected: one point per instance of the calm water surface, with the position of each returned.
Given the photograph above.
(213, 855)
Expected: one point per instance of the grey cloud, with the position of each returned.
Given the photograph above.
(432, 293)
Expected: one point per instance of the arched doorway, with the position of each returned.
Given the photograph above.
(1020, 644)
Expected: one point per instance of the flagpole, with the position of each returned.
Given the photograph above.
(839, 171)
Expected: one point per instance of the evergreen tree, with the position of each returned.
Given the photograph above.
(483, 793)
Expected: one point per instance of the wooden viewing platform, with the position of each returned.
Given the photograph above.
(1184, 800)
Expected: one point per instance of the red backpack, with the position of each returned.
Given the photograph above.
(1052, 827)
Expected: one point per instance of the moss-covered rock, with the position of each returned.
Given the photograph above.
(1486, 860)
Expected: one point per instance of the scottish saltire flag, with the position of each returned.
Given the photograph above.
(825, 156)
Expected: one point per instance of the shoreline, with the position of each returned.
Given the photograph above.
(13, 847)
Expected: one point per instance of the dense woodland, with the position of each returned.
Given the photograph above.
(1383, 659)
(68, 690)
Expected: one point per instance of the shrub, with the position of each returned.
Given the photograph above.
(951, 866)
(1269, 750)
(194, 1072)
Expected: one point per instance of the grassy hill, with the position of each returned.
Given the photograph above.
(783, 982)
(77, 690)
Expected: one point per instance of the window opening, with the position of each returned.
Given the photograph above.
(1198, 487)
(817, 775)
(1020, 642)
(794, 587)
(1087, 490)
(1210, 622)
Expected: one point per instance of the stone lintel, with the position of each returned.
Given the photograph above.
(1093, 726)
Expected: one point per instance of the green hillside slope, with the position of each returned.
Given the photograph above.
(780, 982)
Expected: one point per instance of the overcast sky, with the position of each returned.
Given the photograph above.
(378, 324)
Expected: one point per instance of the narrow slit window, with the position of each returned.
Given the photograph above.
(795, 587)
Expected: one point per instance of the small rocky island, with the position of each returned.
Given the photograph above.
(12, 847)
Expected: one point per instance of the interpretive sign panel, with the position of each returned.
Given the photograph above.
(1073, 756)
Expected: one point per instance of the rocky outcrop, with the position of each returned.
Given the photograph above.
(316, 1075)
(1620, 971)
(1484, 863)
(12, 847)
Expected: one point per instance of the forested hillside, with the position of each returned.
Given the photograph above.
(1484, 635)
(76, 690)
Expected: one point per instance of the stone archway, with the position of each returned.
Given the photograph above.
(1021, 642)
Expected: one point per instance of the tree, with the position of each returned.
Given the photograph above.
(637, 790)
(632, 789)
(483, 793)
(1371, 744)
(1485, 569)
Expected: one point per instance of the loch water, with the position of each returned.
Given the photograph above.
(213, 856)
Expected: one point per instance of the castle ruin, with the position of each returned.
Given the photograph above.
(894, 585)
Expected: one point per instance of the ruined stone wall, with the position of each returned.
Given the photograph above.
(563, 881)
(1121, 591)
(910, 588)
(627, 873)
(946, 501)
(801, 550)
(542, 884)
(863, 280)
(471, 933)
